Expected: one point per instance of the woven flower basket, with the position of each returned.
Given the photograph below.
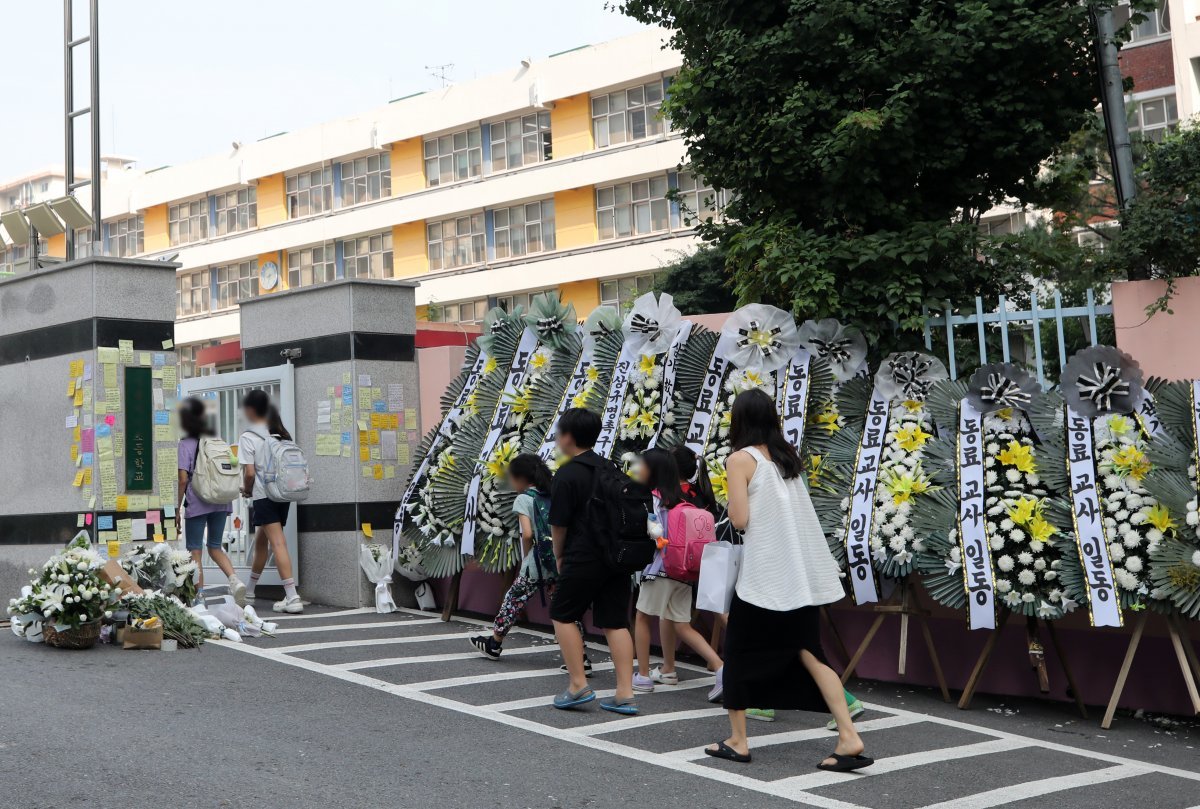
(83, 636)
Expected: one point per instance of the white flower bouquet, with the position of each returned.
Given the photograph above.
(158, 566)
(376, 562)
(67, 594)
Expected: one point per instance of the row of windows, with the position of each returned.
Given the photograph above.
(641, 207)
(619, 292)
(618, 117)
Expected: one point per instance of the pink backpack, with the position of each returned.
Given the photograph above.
(689, 529)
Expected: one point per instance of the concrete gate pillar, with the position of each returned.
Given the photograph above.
(83, 344)
(357, 417)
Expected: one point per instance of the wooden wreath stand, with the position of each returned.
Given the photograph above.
(908, 606)
(1037, 660)
(1185, 654)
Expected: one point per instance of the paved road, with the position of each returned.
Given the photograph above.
(356, 709)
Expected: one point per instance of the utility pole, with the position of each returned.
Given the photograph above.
(1112, 103)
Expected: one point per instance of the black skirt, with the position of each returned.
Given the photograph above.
(762, 658)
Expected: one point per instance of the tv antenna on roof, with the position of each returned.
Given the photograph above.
(441, 72)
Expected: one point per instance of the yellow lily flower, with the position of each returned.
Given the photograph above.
(489, 365)
(1160, 518)
(647, 419)
(1040, 529)
(592, 373)
(539, 360)
(912, 406)
(828, 420)
(1004, 413)
(1120, 425)
(912, 439)
(1020, 456)
(1024, 511)
(904, 487)
(720, 484)
(646, 364)
(1132, 462)
(814, 469)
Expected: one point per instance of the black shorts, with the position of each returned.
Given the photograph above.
(267, 511)
(606, 595)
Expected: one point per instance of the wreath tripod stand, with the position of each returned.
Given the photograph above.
(906, 603)
(1185, 655)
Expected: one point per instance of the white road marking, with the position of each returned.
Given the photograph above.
(371, 625)
(821, 778)
(440, 658)
(312, 615)
(646, 720)
(790, 736)
(350, 644)
(1036, 789)
(546, 699)
(479, 679)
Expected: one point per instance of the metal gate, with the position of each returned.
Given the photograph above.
(223, 394)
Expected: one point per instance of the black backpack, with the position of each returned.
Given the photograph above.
(618, 511)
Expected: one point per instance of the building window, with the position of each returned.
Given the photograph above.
(311, 192)
(236, 210)
(627, 115)
(633, 209)
(368, 256)
(366, 178)
(313, 265)
(464, 312)
(456, 242)
(1003, 225)
(126, 237)
(236, 283)
(524, 229)
(521, 141)
(1157, 23)
(621, 292)
(698, 201)
(1155, 117)
(509, 303)
(187, 222)
(451, 158)
(14, 259)
(194, 294)
(82, 240)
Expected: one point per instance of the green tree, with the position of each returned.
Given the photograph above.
(698, 282)
(864, 137)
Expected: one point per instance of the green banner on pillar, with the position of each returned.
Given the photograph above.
(139, 430)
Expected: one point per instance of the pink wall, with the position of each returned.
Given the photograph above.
(1165, 345)
(436, 367)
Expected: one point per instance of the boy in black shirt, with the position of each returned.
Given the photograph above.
(585, 579)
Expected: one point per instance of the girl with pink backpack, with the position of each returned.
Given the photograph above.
(665, 590)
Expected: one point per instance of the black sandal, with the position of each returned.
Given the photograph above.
(728, 753)
(846, 763)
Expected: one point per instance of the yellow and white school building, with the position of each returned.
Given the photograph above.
(552, 175)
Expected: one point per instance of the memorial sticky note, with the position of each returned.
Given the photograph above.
(367, 531)
(104, 522)
(389, 472)
(114, 548)
(387, 442)
(162, 432)
(153, 517)
(168, 344)
(87, 440)
(410, 418)
(76, 368)
(125, 351)
(170, 377)
(108, 356)
(125, 530)
(329, 444)
(364, 452)
(138, 529)
(377, 471)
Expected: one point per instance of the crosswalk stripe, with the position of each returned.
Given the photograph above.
(1036, 789)
(313, 615)
(290, 630)
(348, 644)
(790, 736)
(821, 778)
(479, 679)
(437, 658)
(646, 720)
(546, 699)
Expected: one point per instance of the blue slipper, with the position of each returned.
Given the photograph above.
(626, 707)
(567, 700)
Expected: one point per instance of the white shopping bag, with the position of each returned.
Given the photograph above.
(719, 567)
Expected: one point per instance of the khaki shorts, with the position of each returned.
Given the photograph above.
(666, 598)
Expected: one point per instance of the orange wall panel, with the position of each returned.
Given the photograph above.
(575, 217)
(154, 225)
(408, 249)
(272, 201)
(408, 166)
(571, 125)
(584, 295)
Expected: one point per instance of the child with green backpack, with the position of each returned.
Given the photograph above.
(529, 476)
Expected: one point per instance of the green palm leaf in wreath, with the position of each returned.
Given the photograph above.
(608, 350)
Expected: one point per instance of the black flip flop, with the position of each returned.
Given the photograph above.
(845, 763)
(728, 753)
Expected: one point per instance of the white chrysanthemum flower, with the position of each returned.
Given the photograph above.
(1028, 598)
(1025, 558)
(1003, 586)
(1017, 535)
(1039, 564)
(1005, 563)
(1036, 546)
(1012, 475)
(1133, 564)
(896, 544)
(996, 543)
(1130, 539)
(1125, 580)
(1154, 536)
(1007, 524)
(1116, 551)
(1196, 558)
(1026, 577)
(989, 478)
(1049, 575)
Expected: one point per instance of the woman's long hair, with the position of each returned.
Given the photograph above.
(664, 476)
(192, 418)
(259, 403)
(689, 467)
(531, 469)
(754, 422)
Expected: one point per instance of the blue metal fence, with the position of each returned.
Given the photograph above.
(1027, 322)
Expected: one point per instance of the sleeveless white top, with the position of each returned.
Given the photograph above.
(786, 563)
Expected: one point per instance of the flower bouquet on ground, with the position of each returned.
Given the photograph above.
(68, 596)
(158, 566)
(1095, 454)
(1174, 483)
(987, 540)
(376, 562)
(873, 472)
(179, 623)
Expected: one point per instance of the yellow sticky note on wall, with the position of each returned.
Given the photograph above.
(364, 452)
(71, 387)
(122, 503)
(377, 471)
(367, 532)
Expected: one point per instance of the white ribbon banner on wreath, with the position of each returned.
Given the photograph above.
(670, 365)
(1196, 416)
(862, 501)
(452, 417)
(610, 418)
(516, 377)
(793, 397)
(1147, 414)
(1104, 606)
(574, 386)
(696, 438)
(978, 577)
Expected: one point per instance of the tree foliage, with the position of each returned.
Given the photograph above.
(698, 282)
(863, 138)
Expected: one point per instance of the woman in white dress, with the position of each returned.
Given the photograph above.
(773, 653)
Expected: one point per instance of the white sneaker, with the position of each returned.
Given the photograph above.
(238, 588)
(664, 677)
(249, 594)
(291, 605)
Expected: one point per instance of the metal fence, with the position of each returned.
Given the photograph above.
(1030, 334)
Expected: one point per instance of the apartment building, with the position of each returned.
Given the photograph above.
(552, 175)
